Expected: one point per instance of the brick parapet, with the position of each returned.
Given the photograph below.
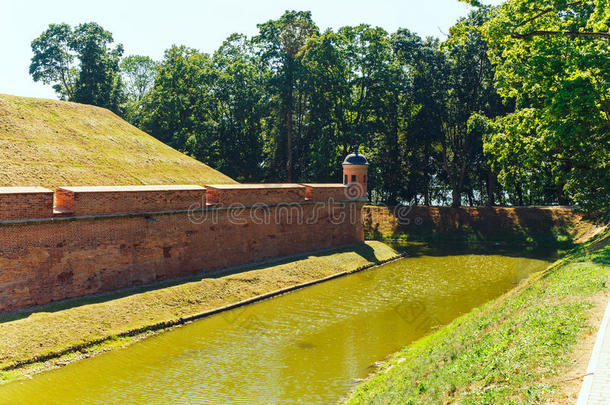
(125, 199)
(326, 191)
(25, 203)
(252, 194)
(17, 203)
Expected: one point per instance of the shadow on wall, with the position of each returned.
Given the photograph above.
(543, 226)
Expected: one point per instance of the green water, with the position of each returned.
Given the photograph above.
(309, 346)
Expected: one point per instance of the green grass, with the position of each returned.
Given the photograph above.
(510, 351)
(54, 143)
(55, 328)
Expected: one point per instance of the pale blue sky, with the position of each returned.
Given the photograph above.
(150, 27)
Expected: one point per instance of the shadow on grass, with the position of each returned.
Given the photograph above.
(362, 249)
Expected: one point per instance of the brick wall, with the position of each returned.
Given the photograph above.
(129, 199)
(61, 258)
(25, 203)
(250, 194)
(519, 224)
(325, 192)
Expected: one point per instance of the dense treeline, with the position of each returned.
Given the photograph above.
(508, 109)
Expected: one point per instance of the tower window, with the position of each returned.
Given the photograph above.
(345, 180)
(353, 178)
(364, 179)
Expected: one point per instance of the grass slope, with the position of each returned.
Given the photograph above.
(55, 143)
(517, 349)
(57, 327)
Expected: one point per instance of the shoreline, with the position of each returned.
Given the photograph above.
(404, 376)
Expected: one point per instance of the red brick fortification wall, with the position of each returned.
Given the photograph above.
(58, 258)
(25, 202)
(251, 194)
(520, 224)
(124, 199)
(323, 192)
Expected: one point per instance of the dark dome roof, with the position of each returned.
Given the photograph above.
(355, 159)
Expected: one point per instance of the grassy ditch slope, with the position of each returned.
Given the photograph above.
(56, 143)
(530, 346)
(58, 333)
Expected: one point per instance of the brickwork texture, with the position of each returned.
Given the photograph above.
(92, 247)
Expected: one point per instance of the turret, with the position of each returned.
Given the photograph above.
(355, 170)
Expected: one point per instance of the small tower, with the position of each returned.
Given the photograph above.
(355, 169)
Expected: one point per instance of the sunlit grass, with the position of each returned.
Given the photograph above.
(52, 143)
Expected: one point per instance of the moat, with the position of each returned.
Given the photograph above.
(309, 346)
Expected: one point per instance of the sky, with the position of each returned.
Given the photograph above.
(150, 27)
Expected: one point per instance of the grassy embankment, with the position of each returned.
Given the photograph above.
(529, 346)
(56, 143)
(58, 333)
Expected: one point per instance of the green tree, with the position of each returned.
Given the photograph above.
(552, 58)
(99, 80)
(281, 42)
(355, 93)
(214, 108)
(94, 79)
(471, 94)
(138, 74)
(428, 78)
(53, 60)
(242, 108)
(178, 105)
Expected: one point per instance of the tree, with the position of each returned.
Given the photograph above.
(53, 60)
(99, 81)
(213, 108)
(354, 91)
(493, 115)
(178, 106)
(94, 79)
(241, 108)
(138, 75)
(552, 58)
(428, 76)
(472, 94)
(281, 42)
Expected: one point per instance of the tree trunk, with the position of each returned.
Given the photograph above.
(456, 192)
(426, 176)
(288, 118)
(561, 196)
(289, 136)
(427, 193)
(520, 194)
(491, 187)
(456, 196)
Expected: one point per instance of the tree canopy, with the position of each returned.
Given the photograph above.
(553, 59)
(80, 63)
(511, 108)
